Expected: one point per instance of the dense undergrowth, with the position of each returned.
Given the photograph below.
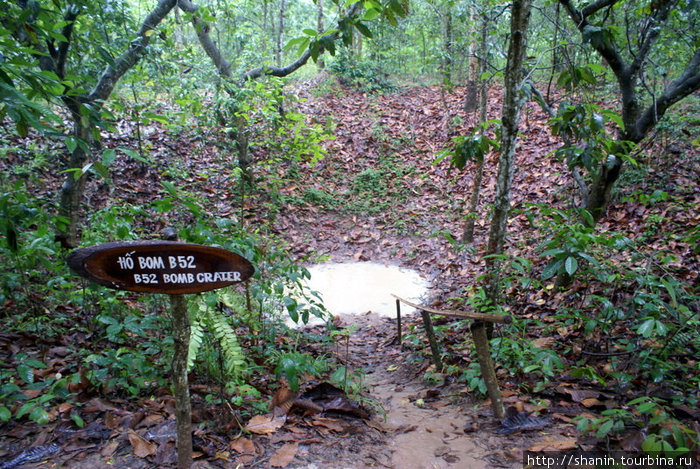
(625, 327)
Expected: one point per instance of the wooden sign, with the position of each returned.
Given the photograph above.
(160, 266)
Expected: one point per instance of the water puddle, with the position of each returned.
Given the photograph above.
(360, 287)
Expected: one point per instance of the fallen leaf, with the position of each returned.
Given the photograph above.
(591, 402)
(284, 455)
(64, 407)
(264, 424)
(543, 342)
(554, 445)
(109, 449)
(142, 447)
(330, 424)
(579, 395)
(243, 446)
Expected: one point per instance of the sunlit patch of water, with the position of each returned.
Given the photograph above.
(360, 287)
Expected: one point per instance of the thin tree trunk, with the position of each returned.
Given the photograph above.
(555, 59)
(471, 102)
(468, 235)
(512, 104)
(319, 27)
(447, 70)
(73, 187)
(280, 31)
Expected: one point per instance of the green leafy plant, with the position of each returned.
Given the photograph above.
(206, 316)
(469, 148)
(295, 365)
(665, 434)
(362, 74)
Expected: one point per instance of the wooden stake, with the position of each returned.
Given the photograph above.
(435, 349)
(481, 343)
(398, 319)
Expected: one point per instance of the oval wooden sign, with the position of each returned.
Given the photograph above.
(160, 266)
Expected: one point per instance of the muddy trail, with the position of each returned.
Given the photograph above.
(417, 425)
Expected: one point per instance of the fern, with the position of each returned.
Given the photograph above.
(681, 339)
(196, 336)
(205, 318)
(233, 357)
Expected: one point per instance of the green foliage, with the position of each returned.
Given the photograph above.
(28, 247)
(362, 74)
(472, 376)
(525, 360)
(16, 385)
(652, 416)
(206, 315)
(469, 148)
(583, 126)
(569, 244)
(296, 365)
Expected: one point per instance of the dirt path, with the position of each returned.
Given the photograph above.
(425, 427)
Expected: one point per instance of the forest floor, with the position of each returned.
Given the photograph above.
(377, 196)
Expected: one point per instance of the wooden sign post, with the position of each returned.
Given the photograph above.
(165, 267)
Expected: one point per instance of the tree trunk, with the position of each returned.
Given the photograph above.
(181, 387)
(601, 190)
(512, 104)
(471, 101)
(319, 27)
(72, 190)
(71, 193)
(280, 31)
(468, 235)
(629, 72)
(447, 61)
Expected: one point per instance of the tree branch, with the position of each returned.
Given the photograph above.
(609, 53)
(122, 64)
(67, 31)
(224, 66)
(596, 6)
(652, 34)
(678, 89)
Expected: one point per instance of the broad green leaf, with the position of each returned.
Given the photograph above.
(310, 32)
(35, 364)
(647, 327)
(651, 444)
(5, 414)
(364, 30)
(156, 117)
(551, 269)
(108, 156)
(25, 373)
(133, 154)
(570, 265)
(552, 252)
(370, 14)
(671, 291)
(605, 428)
(39, 415)
(71, 144)
(78, 420)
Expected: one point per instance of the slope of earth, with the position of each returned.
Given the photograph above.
(388, 201)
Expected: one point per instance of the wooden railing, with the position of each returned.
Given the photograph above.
(481, 343)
